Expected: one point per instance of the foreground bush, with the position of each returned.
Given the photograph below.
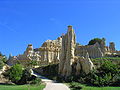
(106, 75)
(15, 73)
(49, 71)
(75, 86)
(36, 81)
(26, 76)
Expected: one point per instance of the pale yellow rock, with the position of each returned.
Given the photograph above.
(86, 64)
(67, 52)
(78, 68)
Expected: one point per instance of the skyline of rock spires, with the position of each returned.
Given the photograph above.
(50, 51)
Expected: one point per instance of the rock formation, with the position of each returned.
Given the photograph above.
(67, 52)
(48, 53)
(95, 51)
(24, 58)
(29, 49)
(86, 64)
(78, 67)
(112, 47)
(68, 56)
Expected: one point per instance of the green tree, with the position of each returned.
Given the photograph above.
(15, 73)
(107, 74)
(26, 76)
(3, 60)
(32, 63)
(1, 64)
(1, 54)
(95, 40)
(109, 67)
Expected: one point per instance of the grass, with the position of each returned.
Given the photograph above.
(100, 88)
(75, 85)
(22, 87)
(108, 58)
(98, 61)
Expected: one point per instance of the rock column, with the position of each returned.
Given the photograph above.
(67, 53)
(112, 47)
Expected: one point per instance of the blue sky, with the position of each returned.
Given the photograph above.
(35, 21)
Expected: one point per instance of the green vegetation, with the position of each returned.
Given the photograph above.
(95, 40)
(76, 86)
(108, 58)
(1, 54)
(22, 87)
(100, 88)
(49, 71)
(32, 63)
(107, 74)
(3, 60)
(1, 64)
(99, 61)
(15, 73)
(36, 81)
(19, 76)
(26, 76)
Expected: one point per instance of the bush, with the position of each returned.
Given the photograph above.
(99, 80)
(36, 81)
(75, 86)
(26, 76)
(95, 40)
(1, 64)
(104, 76)
(50, 71)
(15, 73)
(109, 67)
(2, 61)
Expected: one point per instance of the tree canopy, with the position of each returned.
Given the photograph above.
(95, 40)
(16, 72)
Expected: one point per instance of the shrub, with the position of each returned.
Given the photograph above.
(101, 80)
(109, 67)
(93, 41)
(50, 71)
(105, 75)
(75, 86)
(2, 61)
(26, 76)
(36, 81)
(1, 64)
(15, 73)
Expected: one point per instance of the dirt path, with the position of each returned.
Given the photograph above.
(52, 85)
(56, 86)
